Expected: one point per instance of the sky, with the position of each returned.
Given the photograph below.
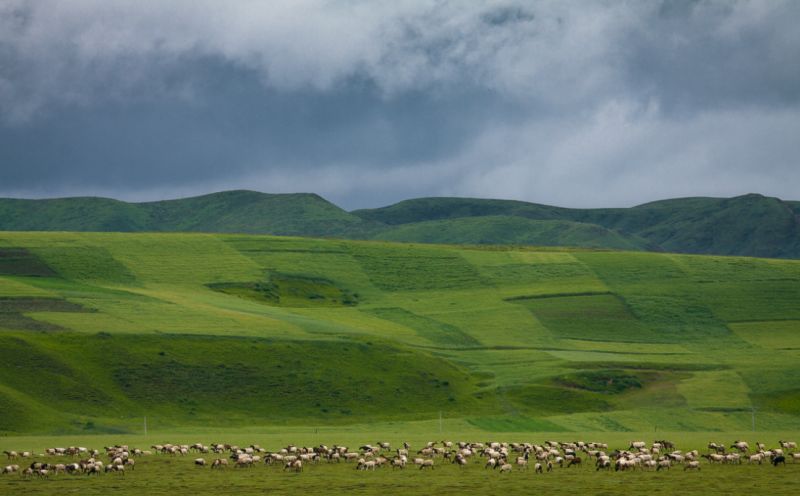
(570, 103)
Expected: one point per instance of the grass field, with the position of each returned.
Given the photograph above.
(98, 330)
(162, 474)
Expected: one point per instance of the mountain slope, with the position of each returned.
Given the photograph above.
(507, 229)
(98, 330)
(751, 225)
(229, 211)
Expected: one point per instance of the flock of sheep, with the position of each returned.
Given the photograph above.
(499, 456)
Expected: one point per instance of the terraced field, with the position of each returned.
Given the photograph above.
(98, 330)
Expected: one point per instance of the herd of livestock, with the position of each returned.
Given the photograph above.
(497, 456)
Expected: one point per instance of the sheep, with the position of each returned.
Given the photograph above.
(574, 461)
(11, 455)
(788, 445)
(695, 465)
(603, 463)
(637, 445)
(364, 465)
(10, 469)
(296, 465)
(506, 467)
(219, 463)
(200, 462)
(780, 459)
(742, 446)
(795, 457)
(537, 468)
(664, 464)
(426, 464)
(757, 458)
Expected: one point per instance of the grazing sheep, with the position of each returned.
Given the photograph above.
(780, 459)
(695, 465)
(10, 469)
(788, 445)
(506, 467)
(537, 468)
(795, 457)
(664, 464)
(574, 461)
(200, 462)
(11, 455)
(364, 465)
(219, 463)
(742, 446)
(426, 464)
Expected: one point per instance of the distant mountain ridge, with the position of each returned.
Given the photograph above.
(749, 225)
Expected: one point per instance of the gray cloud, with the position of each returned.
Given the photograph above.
(573, 103)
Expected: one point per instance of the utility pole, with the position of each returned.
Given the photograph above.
(145, 425)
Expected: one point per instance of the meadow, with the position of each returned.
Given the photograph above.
(278, 340)
(98, 330)
(163, 474)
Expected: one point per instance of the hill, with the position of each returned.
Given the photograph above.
(507, 229)
(100, 329)
(750, 225)
(229, 211)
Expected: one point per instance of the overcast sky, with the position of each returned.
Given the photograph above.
(572, 103)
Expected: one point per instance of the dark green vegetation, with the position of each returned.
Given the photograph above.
(750, 225)
(229, 211)
(98, 330)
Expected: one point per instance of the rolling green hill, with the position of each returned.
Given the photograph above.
(750, 225)
(507, 229)
(229, 211)
(100, 329)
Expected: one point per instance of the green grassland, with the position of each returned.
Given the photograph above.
(98, 330)
(161, 474)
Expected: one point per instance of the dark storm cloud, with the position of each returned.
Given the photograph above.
(580, 103)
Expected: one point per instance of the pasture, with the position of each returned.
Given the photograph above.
(98, 330)
(166, 474)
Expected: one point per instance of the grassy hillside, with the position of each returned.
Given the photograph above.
(229, 211)
(100, 329)
(751, 225)
(504, 229)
